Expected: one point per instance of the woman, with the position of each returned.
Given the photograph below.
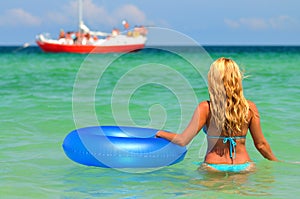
(225, 119)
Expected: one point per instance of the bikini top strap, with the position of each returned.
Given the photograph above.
(231, 140)
(223, 137)
(232, 145)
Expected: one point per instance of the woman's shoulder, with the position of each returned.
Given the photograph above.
(204, 107)
(204, 104)
(253, 109)
(252, 105)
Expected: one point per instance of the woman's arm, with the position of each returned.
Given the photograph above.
(197, 122)
(260, 141)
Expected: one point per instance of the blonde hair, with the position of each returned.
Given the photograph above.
(229, 107)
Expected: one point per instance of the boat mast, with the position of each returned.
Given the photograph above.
(80, 22)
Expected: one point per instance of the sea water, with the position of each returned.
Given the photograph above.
(45, 96)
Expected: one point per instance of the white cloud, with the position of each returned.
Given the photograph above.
(282, 22)
(94, 14)
(18, 17)
(131, 13)
(97, 16)
(232, 23)
(278, 22)
(253, 23)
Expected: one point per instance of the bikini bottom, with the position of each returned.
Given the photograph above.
(248, 166)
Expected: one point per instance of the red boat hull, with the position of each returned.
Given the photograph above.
(64, 48)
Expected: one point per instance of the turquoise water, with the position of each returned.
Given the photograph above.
(45, 96)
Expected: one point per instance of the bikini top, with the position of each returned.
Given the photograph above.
(226, 139)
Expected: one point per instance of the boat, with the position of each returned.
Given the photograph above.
(86, 41)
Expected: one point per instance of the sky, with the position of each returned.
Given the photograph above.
(208, 22)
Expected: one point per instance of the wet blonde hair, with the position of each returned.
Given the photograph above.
(229, 108)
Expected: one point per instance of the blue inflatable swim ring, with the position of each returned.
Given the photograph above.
(121, 147)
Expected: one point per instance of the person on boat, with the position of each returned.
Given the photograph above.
(78, 38)
(62, 37)
(115, 32)
(95, 38)
(69, 39)
(225, 119)
(125, 24)
(61, 34)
